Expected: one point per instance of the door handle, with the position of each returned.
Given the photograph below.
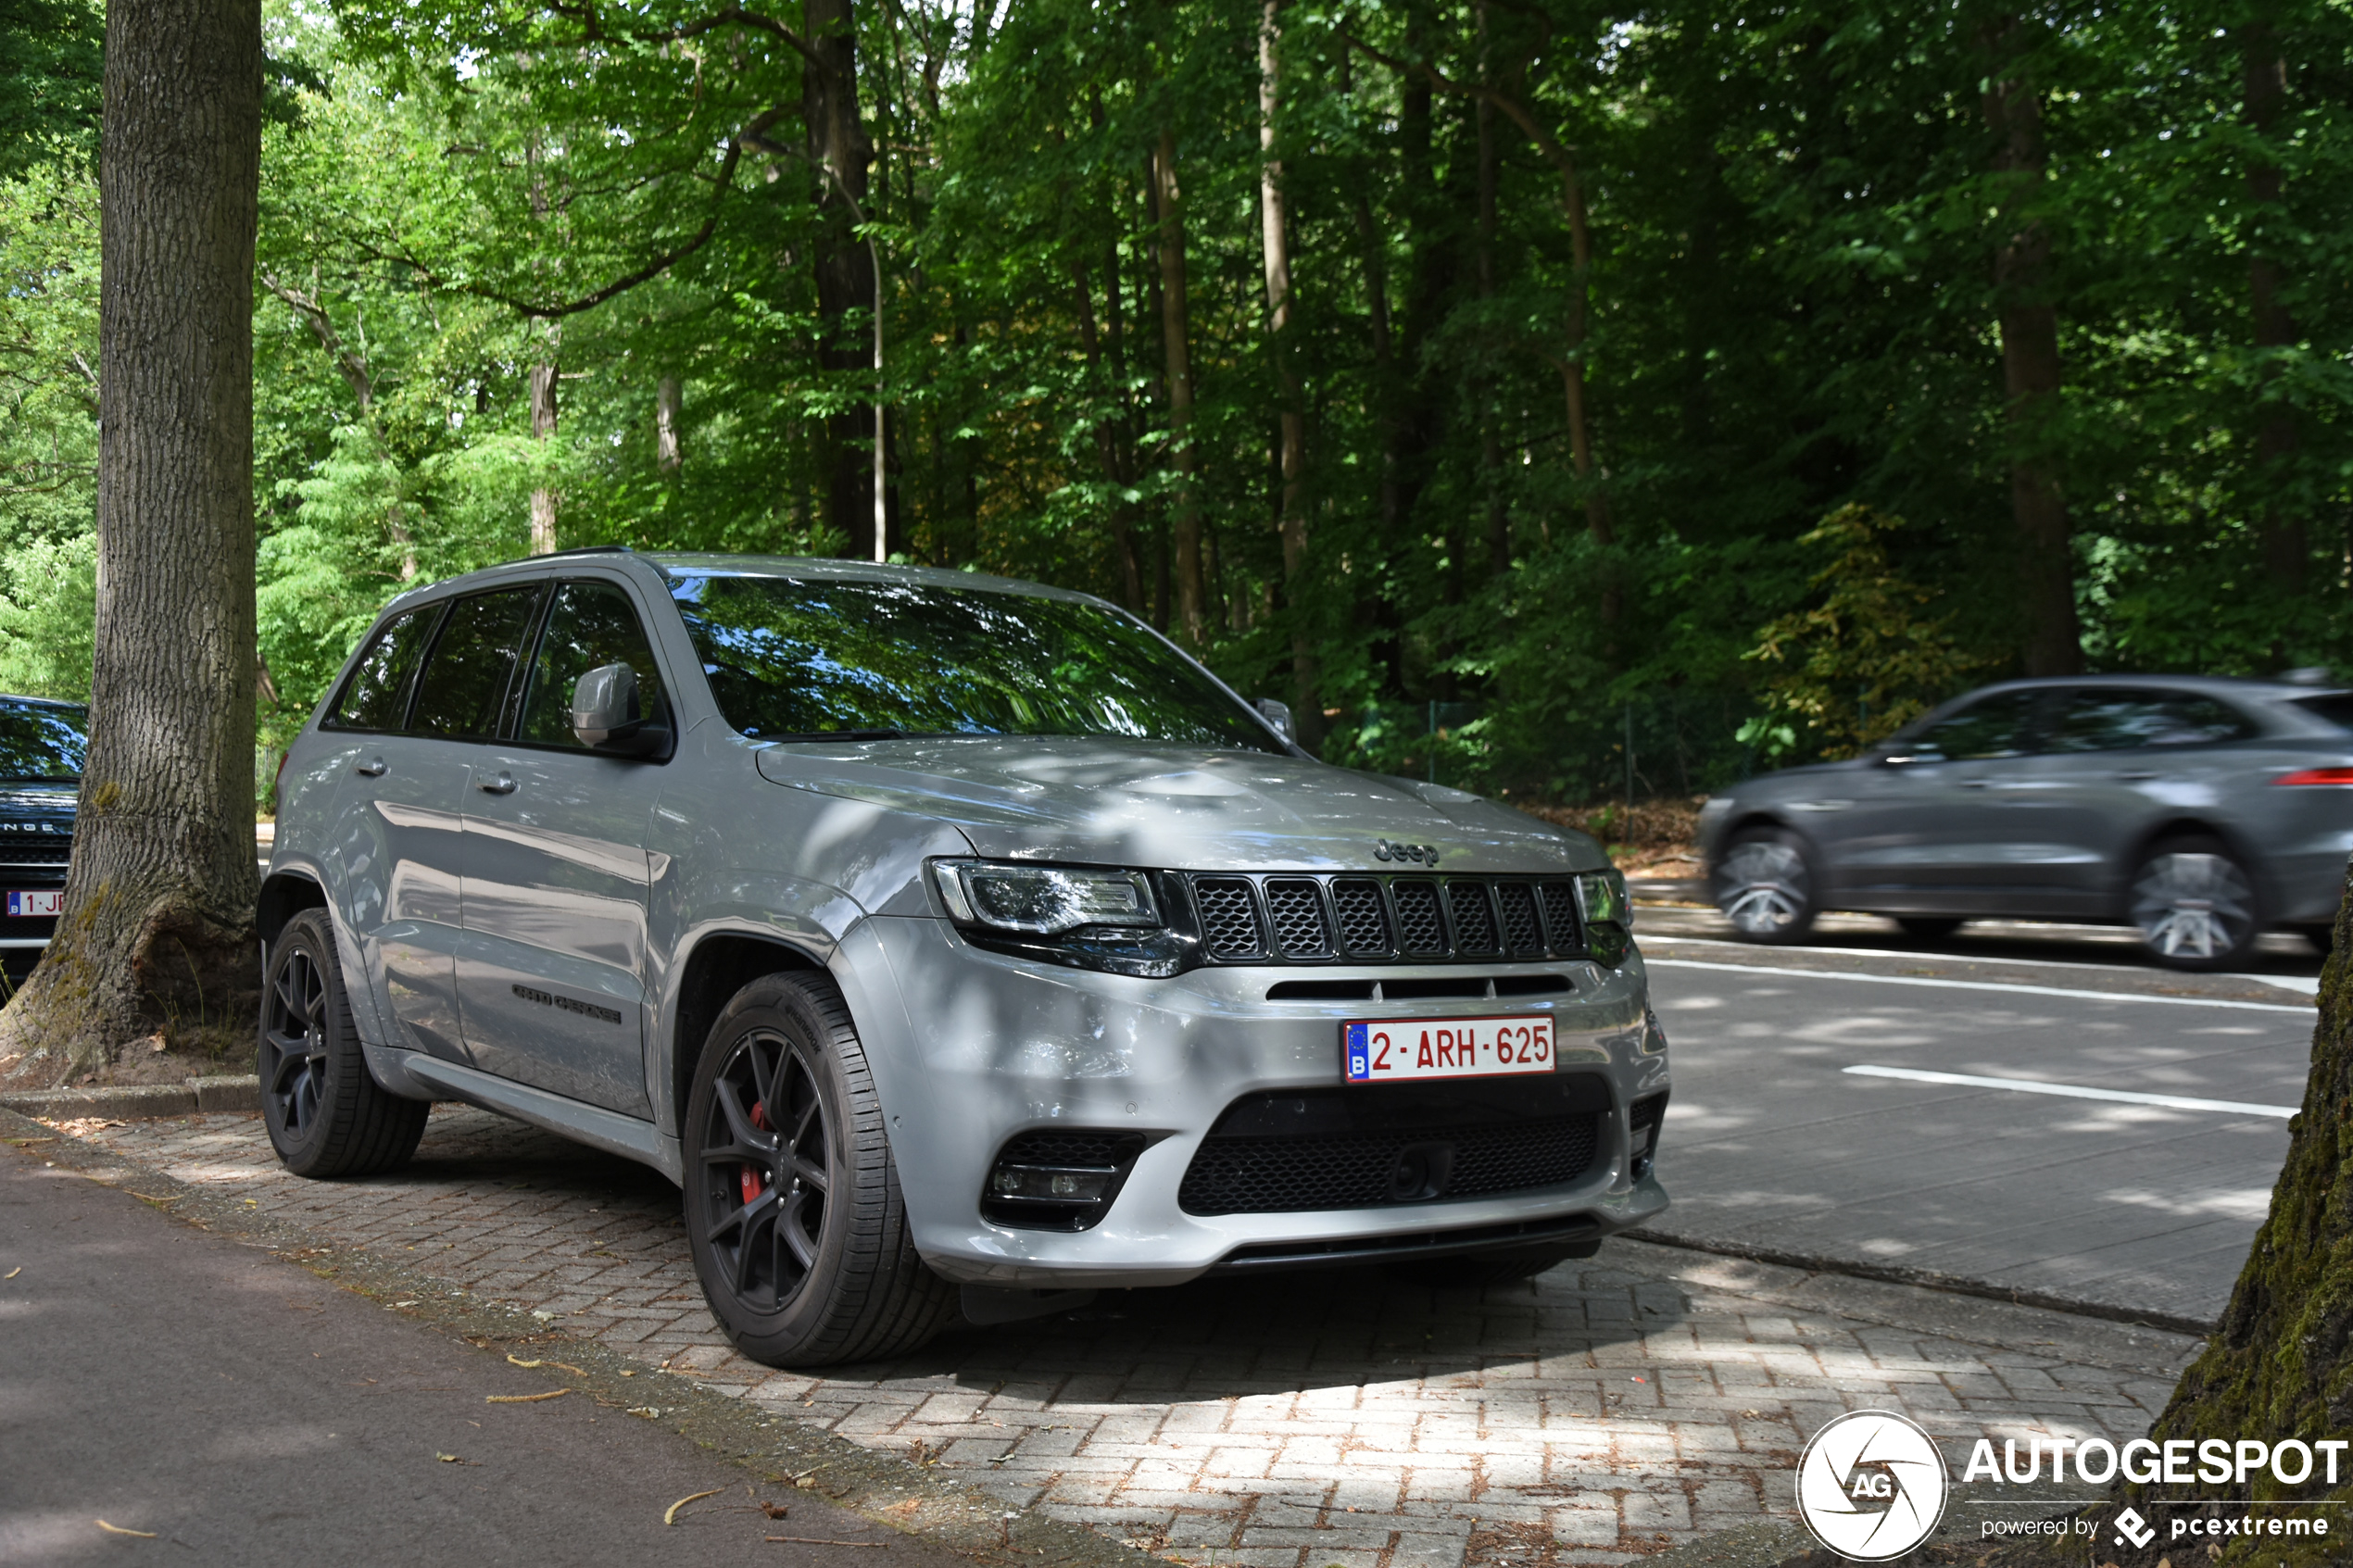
(372, 769)
(503, 785)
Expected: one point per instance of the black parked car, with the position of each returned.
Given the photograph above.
(41, 749)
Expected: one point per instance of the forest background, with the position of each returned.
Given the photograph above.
(1552, 398)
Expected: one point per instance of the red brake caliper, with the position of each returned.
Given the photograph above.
(748, 1178)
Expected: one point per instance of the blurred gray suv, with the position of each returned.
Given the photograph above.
(2199, 811)
(953, 943)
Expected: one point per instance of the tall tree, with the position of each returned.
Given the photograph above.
(49, 81)
(1307, 703)
(2028, 314)
(840, 151)
(157, 931)
(1175, 333)
(2285, 549)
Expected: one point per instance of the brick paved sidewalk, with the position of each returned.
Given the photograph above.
(1601, 1413)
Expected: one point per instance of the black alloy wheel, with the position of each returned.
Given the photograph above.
(325, 1116)
(767, 1166)
(798, 1231)
(294, 1042)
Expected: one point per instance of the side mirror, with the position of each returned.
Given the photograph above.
(606, 715)
(1278, 714)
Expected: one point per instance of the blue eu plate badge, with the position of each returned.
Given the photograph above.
(1359, 1054)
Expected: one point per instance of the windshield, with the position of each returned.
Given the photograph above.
(42, 743)
(811, 658)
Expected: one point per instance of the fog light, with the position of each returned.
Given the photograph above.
(1044, 1184)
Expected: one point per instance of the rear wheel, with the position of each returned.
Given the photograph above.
(793, 1210)
(1765, 886)
(2194, 905)
(326, 1117)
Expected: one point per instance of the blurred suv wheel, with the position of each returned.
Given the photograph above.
(1765, 885)
(2194, 905)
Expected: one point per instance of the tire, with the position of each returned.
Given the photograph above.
(1765, 885)
(1482, 1269)
(327, 1118)
(1929, 928)
(2194, 905)
(802, 1242)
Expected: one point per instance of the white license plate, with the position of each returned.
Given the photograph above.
(40, 903)
(1390, 1049)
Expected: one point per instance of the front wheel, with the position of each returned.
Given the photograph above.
(325, 1116)
(1765, 885)
(793, 1210)
(2194, 905)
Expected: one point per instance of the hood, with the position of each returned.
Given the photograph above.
(37, 807)
(1126, 803)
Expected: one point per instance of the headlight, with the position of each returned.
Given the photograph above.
(1080, 916)
(1608, 914)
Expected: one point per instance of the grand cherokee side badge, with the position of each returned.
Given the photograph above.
(1426, 853)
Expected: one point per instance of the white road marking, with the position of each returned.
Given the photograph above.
(2033, 1086)
(1975, 985)
(2309, 985)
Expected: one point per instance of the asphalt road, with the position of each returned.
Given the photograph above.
(235, 1409)
(1775, 1143)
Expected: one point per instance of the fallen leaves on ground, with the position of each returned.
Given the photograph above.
(119, 1530)
(561, 1366)
(523, 1398)
(670, 1516)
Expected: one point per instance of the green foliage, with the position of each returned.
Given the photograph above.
(1864, 660)
(49, 81)
(1795, 214)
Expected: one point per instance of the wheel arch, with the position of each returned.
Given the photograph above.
(284, 895)
(720, 964)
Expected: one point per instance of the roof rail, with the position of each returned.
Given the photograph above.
(588, 550)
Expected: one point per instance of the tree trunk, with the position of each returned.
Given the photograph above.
(158, 925)
(1490, 440)
(845, 268)
(1122, 536)
(543, 428)
(2286, 555)
(668, 404)
(2053, 644)
(1191, 593)
(1307, 703)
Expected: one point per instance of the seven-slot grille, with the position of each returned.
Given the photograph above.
(1295, 919)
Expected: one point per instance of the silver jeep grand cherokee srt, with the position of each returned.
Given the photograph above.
(951, 941)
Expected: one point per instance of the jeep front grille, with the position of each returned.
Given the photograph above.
(1359, 918)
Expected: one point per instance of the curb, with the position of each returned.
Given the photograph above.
(130, 1101)
(1926, 1279)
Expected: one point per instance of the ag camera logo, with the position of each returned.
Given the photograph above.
(1871, 1486)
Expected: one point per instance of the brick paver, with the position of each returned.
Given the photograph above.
(1603, 1411)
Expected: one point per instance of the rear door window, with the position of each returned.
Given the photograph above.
(465, 681)
(2000, 725)
(2127, 719)
(376, 697)
(589, 625)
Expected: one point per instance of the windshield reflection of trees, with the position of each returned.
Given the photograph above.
(812, 657)
(42, 743)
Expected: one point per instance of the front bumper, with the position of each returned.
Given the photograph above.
(970, 1049)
